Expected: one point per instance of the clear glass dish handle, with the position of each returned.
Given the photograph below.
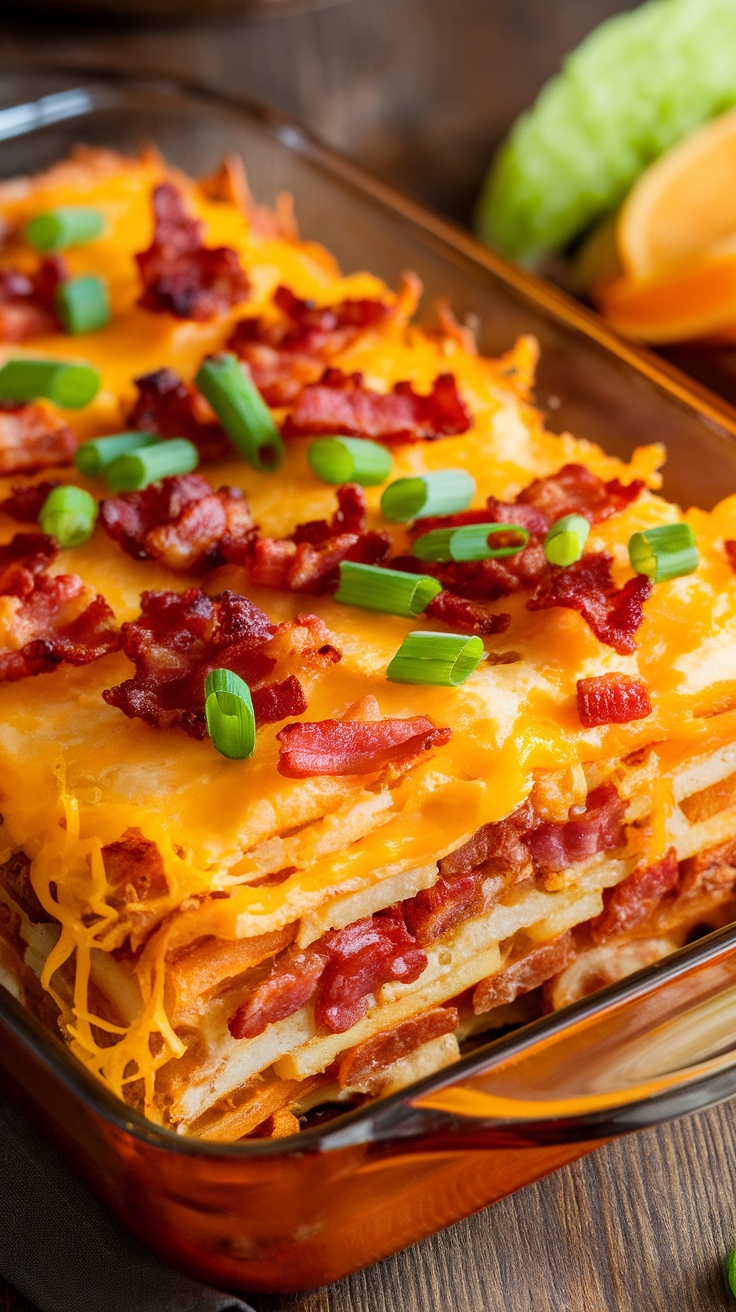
(652, 1047)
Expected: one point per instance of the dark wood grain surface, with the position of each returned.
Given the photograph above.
(419, 91)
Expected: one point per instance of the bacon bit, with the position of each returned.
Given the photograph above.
(277, 700)
(614, 614)
(494, 848)
(574, 488)
(431, 913)
(341, 403)
(180, 274)
(47, 625)
(354, 746)
(466, 616)
(292, 981)
(729, 547)
(360, 958)
(134, 869)
(285, 355)
(365, 1067)
(179, 637)
(32, 437)
(26, 500)
(27, 301)
(172, 408)
(710, 874)
(309, 560)
(527, 973)
(631, 901)
(555, 845)
(612, 699)
(179, 521)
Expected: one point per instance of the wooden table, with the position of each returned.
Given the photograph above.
(419, 91)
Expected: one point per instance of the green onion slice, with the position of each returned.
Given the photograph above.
(349, 460)
(69, 385)
(93, 457)
(83, 304)
(441, 493)
(228, 710)
(136, 469)
(389, 590)
(729, 1272)
(68, 225)
(242, 411)
(469, 542)
(566, 539)
(444, 659)
(69, 514)
(666, 552)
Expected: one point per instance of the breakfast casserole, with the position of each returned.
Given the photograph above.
(347, 713)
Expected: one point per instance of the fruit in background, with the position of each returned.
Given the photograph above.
(694, 300)
(637, 84)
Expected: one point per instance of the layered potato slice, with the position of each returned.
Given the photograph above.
(239, 946)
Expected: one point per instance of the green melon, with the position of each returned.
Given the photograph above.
(636, 85)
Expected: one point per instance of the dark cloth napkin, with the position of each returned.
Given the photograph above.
(64, 1252)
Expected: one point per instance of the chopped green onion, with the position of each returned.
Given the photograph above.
(444, 659)
(136, 469)
(565, 539)
(242, 411)
(83, 304)
(389, 590)
(470, 542)
(68, 225)
(228, 710)
(441, 493)
(69, 385)
(92, 458)
(69, 514)
(729, 1271)
(666, 552)
(349, 460)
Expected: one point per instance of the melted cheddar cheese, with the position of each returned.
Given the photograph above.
(76, 774)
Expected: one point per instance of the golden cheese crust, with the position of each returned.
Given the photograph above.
(146, 847)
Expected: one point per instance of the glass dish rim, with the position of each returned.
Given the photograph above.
(345, 1130)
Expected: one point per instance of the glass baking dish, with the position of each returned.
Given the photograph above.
(295, 1213)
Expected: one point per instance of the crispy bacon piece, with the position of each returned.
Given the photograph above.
(354, 746)
(309, 560)
(729, 546)
(179, 521)
(27, 301)
(709, 874)
(521, 976)
(341, 403)
(286, 354)
(631, 901)
(292, 981)
(344, 969)
(181, 275)
(26, 500)
(434, 911)
(178, 638)
(172, 408)
(32, 437)
(575, 489)
(612, 699)
(614, 614)
(365, 1066)
(494, 848)
(277, 700)
(466, 616)
(555, 845)
(49, 623)
(360, 958)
